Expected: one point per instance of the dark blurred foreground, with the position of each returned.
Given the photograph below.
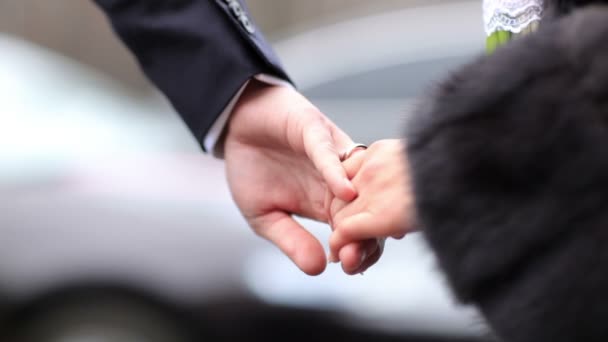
(100, 316)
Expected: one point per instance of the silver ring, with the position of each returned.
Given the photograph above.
(349, 152)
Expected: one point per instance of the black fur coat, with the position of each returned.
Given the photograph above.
(509, 158)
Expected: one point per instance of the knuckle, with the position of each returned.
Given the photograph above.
(335, 242)
(311, 118)
(339, 227)
(379, 145)
(370, 170)
(324, 147)
(343, 230)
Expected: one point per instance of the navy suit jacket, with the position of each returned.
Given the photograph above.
(197, 52)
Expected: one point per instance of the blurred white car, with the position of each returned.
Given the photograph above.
(114, 226)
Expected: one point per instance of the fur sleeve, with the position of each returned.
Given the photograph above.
(509, 158)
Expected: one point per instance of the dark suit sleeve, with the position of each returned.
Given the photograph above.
(197, 52)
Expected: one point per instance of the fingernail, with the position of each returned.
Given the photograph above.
(363, 257)
(332, 259)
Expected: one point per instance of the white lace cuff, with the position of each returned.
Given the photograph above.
(510, 15)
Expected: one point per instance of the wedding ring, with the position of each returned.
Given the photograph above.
(349, 152)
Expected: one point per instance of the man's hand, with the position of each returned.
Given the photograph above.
(382, 209)
(282, 155)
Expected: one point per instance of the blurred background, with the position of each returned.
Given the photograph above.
(94, 249)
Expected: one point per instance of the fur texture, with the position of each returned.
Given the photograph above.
(509, 159)
(562, 7)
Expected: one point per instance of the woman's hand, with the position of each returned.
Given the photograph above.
(382, 209)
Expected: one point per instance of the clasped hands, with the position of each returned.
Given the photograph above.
(282, 159)
(382, 208)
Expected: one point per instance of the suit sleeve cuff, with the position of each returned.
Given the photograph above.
(212, 141)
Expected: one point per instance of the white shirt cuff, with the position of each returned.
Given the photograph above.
(213, 135)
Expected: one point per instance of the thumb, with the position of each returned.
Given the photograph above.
(293, 240)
